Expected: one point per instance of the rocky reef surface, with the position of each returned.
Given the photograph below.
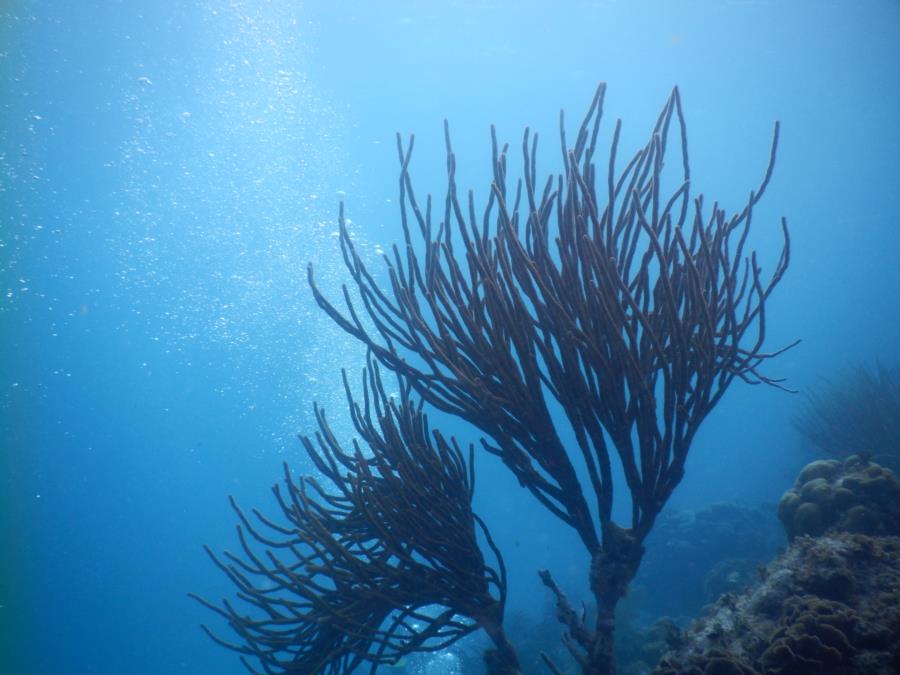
(829, 604)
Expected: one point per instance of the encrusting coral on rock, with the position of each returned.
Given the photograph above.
(830, 603)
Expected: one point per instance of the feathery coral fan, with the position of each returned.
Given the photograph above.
(600, 292)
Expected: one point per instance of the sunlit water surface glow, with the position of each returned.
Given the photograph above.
(168, 169)
(231, 189)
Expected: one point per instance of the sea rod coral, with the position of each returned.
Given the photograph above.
(610, 293)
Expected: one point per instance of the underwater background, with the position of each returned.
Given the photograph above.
(168, 169)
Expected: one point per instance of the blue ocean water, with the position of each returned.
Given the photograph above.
(168, 169)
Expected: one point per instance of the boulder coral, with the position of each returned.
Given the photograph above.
(853, 495)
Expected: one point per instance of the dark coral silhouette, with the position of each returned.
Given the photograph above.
(381, 563)
(608, 293)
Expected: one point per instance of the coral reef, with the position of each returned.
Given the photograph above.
(829, 604)
(850, 496)
(731, 575)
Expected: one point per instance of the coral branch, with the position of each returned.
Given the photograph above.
(383, 563)
(621, 302)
